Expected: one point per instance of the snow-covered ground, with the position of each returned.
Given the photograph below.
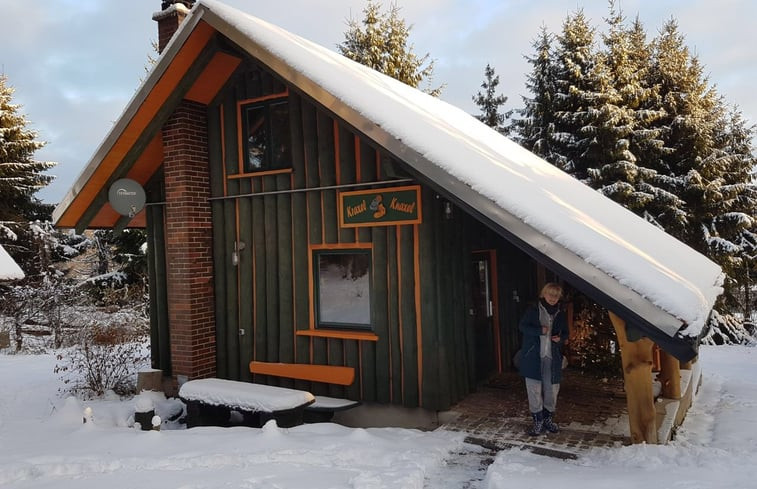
(45, 444)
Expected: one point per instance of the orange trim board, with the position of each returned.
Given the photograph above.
(212, 78)
(145, 166)
(380, 212)
(260, 173)
(338, 334)
(141, 119)
(331, 374)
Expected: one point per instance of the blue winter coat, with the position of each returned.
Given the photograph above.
(530, 361)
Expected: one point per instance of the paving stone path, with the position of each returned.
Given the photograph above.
(591, 413)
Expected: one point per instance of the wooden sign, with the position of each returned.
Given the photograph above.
(380, 207)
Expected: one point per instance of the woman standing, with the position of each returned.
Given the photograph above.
(545, 330)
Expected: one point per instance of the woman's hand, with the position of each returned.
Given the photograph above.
(556, 338)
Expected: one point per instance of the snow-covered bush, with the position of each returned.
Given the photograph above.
(106, 356)
(38, 315)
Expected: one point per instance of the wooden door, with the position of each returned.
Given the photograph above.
(485, 314)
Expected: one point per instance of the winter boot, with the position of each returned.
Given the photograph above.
(547, 423)
(538, 427)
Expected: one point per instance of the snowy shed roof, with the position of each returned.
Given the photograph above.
(9, 269)
(650, 279)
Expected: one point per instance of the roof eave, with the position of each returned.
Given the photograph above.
(162, 64)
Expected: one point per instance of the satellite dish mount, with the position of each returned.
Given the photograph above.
(127, 197)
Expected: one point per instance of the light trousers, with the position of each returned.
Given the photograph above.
(542, 394)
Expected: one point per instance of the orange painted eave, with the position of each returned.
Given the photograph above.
(107, 219)
(149, 108)
(144, 168)
(213, 77)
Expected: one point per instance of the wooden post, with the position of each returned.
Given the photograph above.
(656, 361)
(636, 357)
(670, 376)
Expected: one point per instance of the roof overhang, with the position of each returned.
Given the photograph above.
(189, 68)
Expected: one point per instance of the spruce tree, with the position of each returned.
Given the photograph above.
(576, 87)
(617, 157)
(647, 139)
(610, 163)
(535, 126)
(686, 161)
(380, 41)
(730, 230)
(489, 102)
(20, 174)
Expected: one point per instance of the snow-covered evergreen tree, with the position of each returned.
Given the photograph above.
(576, 88)
(380, 41)
(490, 103)
(730, 228)
(609, 127)
(691, 110)
(20, 174)
(620, 158)
(639, 121)
(535, 125)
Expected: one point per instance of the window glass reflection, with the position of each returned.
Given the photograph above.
(344, 295)
(257, 138)
(266, 136)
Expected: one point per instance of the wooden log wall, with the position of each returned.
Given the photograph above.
(420, 275)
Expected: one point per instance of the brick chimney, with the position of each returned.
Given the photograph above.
(172, 14)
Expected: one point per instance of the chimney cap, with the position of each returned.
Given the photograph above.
(167, 3)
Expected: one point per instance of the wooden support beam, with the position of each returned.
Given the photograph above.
(656, 361)
(670, 376)
(636, 357)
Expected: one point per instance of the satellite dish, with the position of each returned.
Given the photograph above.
(127, 197)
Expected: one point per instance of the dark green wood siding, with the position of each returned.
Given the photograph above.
(420, 272)
(160, 346)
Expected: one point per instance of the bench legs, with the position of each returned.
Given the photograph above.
(201, 414)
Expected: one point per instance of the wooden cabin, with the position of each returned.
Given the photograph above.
(303, 209)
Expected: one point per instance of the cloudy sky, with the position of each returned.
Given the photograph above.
(76, 63)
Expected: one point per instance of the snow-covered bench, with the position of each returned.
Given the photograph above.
(210, 402)
(324, 407)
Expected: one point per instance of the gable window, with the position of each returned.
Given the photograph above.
(342, 295)
(266, 143)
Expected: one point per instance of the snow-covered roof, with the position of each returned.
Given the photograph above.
(647, 277)
(527, 195)
(9, 269)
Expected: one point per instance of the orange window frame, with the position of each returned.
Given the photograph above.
(344, 333)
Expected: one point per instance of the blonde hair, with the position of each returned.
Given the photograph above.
(551, 288)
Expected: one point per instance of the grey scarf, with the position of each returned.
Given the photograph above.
(546, 319)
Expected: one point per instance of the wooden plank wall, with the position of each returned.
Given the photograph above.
(160, 346)
(419, 297)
